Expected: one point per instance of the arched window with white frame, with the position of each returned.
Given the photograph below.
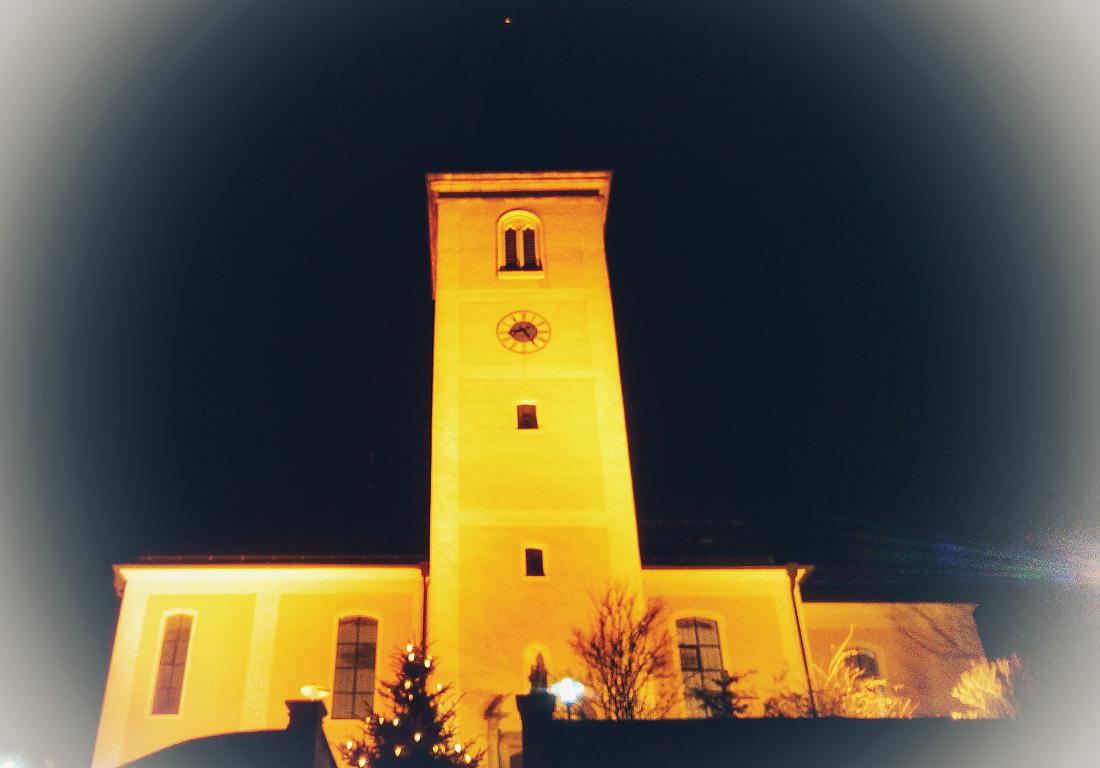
(353, 678)
(519, 244)
(863, 661)
(700, 660)
(172, 664)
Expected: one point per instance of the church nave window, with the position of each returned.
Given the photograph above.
(353, 681)
(863, 661)
(519, 247)
(172, 664)
(700, 660)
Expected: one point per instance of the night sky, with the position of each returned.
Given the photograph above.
(836, 323)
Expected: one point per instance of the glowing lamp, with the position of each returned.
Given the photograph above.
(412, 657)
(458, 747)
(408, 684)
(396, 721)
(409, 648)
(568, 691)
(397, 750)
(362, 762)
(314, 692)
(349, 745)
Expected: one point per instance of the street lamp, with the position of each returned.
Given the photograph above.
(315, 692)
(568, 692)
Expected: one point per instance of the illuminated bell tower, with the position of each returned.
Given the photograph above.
(532, 506)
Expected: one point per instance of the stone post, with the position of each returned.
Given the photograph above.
(537, 713)
(306, 723)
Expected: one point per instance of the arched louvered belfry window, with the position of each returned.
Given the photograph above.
(172, 664)
(353, 678)
(519, 249)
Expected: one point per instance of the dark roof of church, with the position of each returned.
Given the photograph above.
(847, 582)
(671, 543)
(663, 543)
(701, 543)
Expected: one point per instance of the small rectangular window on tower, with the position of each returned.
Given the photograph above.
(534, 562)
(526, 417)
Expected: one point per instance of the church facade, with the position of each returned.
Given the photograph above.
(532, 513)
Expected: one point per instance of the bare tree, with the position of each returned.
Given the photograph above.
(627, 656)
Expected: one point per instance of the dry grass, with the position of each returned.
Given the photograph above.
(841, 690)
(987, 690)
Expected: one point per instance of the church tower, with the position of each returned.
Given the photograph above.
(532, 507)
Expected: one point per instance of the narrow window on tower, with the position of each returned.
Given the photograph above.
(526, 417)
(519, 245)
(534, 562)
(353, 679)
(172, 664)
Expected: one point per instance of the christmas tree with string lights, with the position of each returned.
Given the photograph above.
(419, 732)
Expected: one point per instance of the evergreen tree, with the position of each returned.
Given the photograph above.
(727, 699)
(419, 731)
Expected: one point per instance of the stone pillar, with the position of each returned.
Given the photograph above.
(306, 724)
(537, 712)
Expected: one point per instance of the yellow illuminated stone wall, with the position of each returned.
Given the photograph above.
(258, 635)
(754, 610)
(921, 646)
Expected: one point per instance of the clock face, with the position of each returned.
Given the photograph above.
(523, 332)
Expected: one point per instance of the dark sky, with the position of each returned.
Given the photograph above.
(825, 289)
(833, 323)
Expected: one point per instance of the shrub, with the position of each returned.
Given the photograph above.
(987, 690)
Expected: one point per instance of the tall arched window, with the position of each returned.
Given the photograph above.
(519, 249)
(353, 679)
(700, 660)
(172, 664)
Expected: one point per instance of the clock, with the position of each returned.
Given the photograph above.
(523, 332)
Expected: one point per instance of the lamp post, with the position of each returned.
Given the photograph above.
(568, 692)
